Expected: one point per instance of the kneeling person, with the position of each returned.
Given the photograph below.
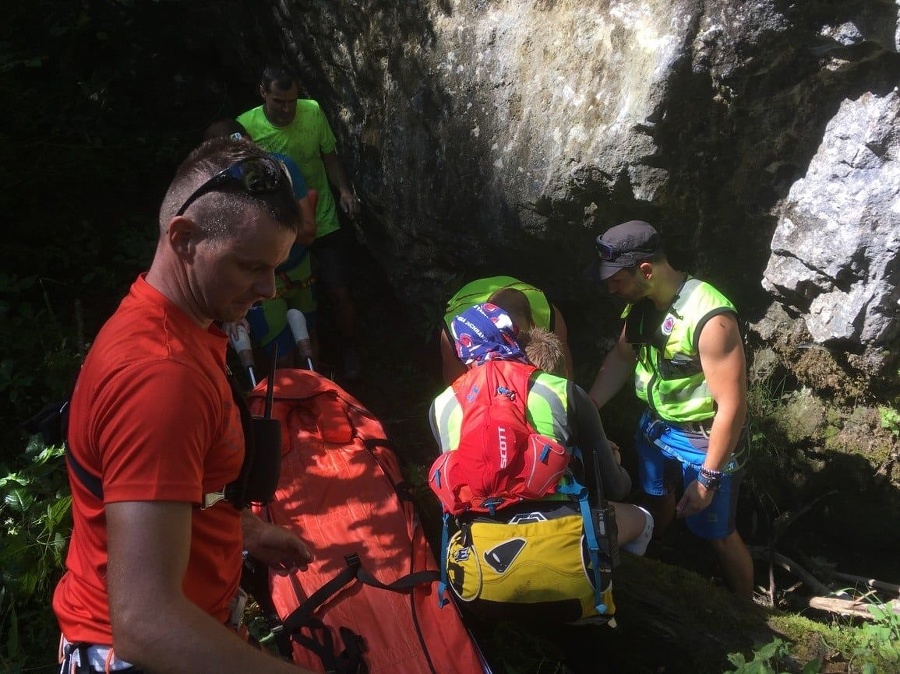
(545, 516)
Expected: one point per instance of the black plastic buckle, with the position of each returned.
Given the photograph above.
(353, 560)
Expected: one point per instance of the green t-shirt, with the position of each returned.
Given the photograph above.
(304, 140)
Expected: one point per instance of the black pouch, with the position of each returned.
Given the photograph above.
(266, 468)
(261, 469)
(607, 532)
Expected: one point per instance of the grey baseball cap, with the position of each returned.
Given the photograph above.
(621, 247)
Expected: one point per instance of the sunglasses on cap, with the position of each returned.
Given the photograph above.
(621, 258)
(255, 175)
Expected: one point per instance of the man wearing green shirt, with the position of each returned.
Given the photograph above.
(298, 128)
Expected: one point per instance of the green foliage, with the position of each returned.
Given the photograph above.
(878, 642)
(35, 522)
(869, 647)
(890, 419)
(101, 112)
(768, 659)
(39, 354)
(93, 132)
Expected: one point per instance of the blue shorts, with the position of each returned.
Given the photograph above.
(660, 445)
(269, 326)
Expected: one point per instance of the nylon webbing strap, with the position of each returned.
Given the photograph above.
(354, 572)
(302, 614)
(234, 491)
(350, 660)
(401, 488)
(445, 542)
(581, 493)
(401, 585)
(91, 482)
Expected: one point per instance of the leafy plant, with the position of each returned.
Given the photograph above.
(890, 419)
(35, 522)
(879, 641)
(768, 659)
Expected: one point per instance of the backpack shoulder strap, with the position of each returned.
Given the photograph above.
(483, 383)
(90, 481)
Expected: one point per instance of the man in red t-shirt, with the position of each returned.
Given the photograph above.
(155, 557)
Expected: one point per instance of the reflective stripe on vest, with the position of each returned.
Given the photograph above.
(546, 409)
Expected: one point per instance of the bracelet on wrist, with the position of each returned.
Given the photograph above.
(709, 478)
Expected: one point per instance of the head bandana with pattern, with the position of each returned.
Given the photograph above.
(486, 332)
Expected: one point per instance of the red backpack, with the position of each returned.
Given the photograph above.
(367, 601)
(500, 460)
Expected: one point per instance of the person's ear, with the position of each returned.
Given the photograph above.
(183, 235)
(262, 91)
(646, 269)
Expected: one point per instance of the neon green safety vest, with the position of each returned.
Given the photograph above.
(668, 375)
(546, 409)
(480, 290)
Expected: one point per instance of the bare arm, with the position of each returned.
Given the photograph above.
(155, 626)
(722, 359)
(348, 201)
(306, 233)
(594, 444)
(617, 368)
(561, 331)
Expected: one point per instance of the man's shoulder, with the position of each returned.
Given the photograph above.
(253, 120)
(541, 380)
(308, 104)
(708, 297)
(250, 114)
(443, 398)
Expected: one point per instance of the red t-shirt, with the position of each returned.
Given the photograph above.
(153, 408)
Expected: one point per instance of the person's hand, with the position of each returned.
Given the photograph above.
(231, 329)
(349, 203)
(696, 499)
(274, 546)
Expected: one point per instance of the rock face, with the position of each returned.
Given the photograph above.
(835, 250)
(501, 137)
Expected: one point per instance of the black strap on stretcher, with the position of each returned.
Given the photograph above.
(319, 639)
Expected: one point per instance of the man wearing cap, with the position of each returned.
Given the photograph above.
(682, 346)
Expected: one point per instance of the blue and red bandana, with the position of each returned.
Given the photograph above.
(486, 332)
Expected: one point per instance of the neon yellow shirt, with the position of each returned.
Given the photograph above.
(304, 140)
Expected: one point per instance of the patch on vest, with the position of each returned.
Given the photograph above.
(668, 324)
(502, 556)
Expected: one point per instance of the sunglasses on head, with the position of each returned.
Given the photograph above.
(624, 258)
(606, 252)
(255, 175)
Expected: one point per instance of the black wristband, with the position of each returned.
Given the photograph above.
(709, 478)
